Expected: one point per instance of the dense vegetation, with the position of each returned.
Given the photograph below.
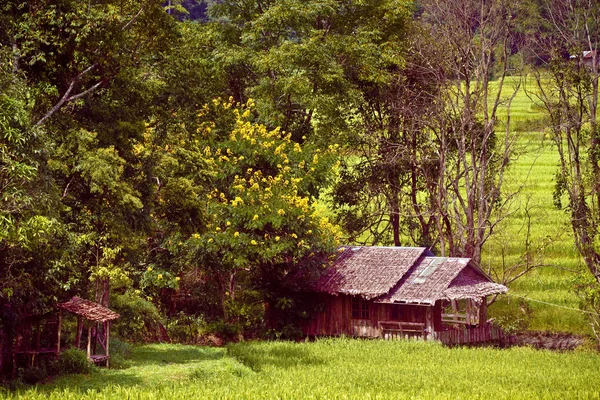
(334, 369)
(188, 172)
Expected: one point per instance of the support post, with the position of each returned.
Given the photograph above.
(468, 311)
(429, 324)
(483, 311)
(59, 329)
(107, 343)
(89, 345)
(79, 331)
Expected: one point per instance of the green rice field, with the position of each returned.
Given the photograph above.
(334, 369)
(534, 173)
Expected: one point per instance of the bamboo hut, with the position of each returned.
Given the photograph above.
(98, 326)
(401, 292)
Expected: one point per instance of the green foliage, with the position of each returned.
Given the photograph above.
(335, 369)
(588, 290)
(305, 63)
(263, 222)
(140, 320)
(74, 361)
(224, 330)
(120, 353)
(184, 328)
(34, 375)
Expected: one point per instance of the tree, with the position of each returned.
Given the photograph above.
(379, 196)
(296, 58)
(475, 147)
(567, 88)
(432, 151)
(263, 225)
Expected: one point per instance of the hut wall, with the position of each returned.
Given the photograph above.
(336, 317)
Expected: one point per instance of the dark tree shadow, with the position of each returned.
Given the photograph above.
(281, 355)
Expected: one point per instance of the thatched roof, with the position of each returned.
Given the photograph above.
(441, 278)
(88, 309)
(368, 272)
(469, 283)
(404, 275)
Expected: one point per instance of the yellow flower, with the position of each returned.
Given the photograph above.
(294, 236)
(210, 240)
(149, 269)
(218, 229)
(253, 242)
(255, 217)
(196, 236)
(159, 276)
(277, 238)
(236, 234)
(177, 278)
(228, 223)
(280, 212)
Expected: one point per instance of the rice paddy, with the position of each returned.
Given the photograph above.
(534, 174)
(334, 369)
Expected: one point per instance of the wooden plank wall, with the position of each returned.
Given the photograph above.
(487, 333)
(336, 319)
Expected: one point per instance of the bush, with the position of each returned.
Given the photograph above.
(33, 375)
(120, 352)
(73, 361)
(184, 328)
(226, 331)
(120, 348)
(140, 319)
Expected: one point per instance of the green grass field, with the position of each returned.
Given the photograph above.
(334, 369)
(534, 172)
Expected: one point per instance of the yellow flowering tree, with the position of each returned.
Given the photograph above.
(263, 222)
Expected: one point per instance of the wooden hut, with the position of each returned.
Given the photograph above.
(39, 336)
(98, 326)
(400, 292)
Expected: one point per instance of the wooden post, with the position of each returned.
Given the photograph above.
(454, 311)
(79, 331)
(429, 324)
(59, 327)
(107, 343)
(89, 346)
(483, 311)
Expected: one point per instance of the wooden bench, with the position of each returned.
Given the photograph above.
(99, 358)
(400, 329)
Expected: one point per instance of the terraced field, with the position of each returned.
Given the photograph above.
(534, 172)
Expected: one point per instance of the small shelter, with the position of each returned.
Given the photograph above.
(40, 335)
(401, 292)
(99, 318)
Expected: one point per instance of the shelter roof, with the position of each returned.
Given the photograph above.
(470, 283)
(368, 272)
(404, 275)
(88, 309)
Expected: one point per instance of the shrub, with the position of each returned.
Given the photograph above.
(140, 320)
(33, 375)
(224, 330)
(184, 328)
(73, 361)
(120, 352)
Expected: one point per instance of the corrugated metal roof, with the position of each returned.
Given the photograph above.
(368, 272)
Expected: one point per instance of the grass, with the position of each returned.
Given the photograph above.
(534, 172)
(334, 369)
